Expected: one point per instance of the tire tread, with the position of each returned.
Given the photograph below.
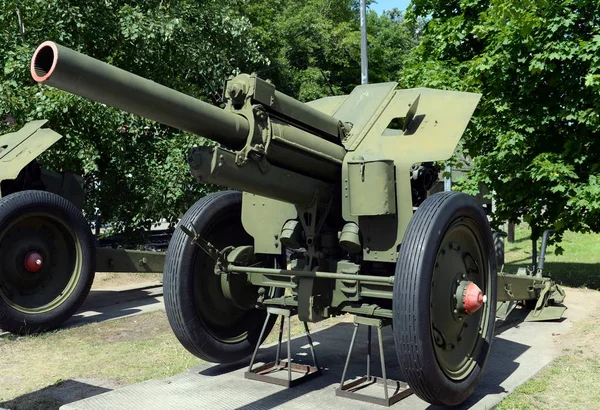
(408, 293)
(15, 204)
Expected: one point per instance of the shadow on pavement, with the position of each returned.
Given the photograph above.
(501, 364)
(52, 397)
(101, 298)
(104, 305)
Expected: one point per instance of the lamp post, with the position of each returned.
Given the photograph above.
(364, 63)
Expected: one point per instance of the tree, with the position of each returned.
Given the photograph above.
(535, 136)
(313, 46)
(392, 39)
(135, 169)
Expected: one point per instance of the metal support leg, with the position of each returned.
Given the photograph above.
(289, 348)
(281, 322)
(262, 332)
(350, 390)
(382, 356)
(349, 355)
(266, 372)
(368, 352)
(311, 346)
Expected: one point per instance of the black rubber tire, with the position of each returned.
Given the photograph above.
(499, 251)
(412, 292)
(14, 206)
(192, 330)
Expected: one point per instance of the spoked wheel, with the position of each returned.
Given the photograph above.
(445, 298)
(47, 261)
(215, 319)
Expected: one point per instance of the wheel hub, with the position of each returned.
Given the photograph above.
(34, 262)
(458, 308)
(469, 297)
(39, 262)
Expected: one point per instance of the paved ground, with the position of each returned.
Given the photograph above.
(120, 302)
(115, 303)
(519, 351)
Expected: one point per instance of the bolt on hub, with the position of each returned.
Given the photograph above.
(34, 262)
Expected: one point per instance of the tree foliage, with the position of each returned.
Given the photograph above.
(534, 138)
(134, 168)
(313, 46)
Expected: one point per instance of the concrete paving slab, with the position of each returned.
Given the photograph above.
(116, 303)
(519, 351)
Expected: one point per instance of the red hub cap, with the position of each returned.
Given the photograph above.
(473, 298)
(34, 262)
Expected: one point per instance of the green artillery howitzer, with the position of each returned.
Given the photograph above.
(334, 183)
(48, 256)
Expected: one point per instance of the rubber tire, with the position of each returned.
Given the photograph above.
(16, 205)
(412, 291)
(499, 251)
(178, 284)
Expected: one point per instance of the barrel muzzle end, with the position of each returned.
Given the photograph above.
(44, 61)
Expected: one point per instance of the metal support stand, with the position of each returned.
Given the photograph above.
(265, 373)
(401, 389)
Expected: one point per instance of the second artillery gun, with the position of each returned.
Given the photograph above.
(338, 182)
(48, 256)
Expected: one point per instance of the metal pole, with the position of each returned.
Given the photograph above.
(311, 274)
(349, 354)
(534, 253)
(448, 179)
(369, 353)
(289, 348)
(382, 356)
(364, 63)
(542, 259)
(258, 342)
(277, 361)
(310, 344)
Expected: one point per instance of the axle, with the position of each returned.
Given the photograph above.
(313, 274)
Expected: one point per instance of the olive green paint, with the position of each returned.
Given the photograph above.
(338, 164)
(437, 126)
(263, 218)
(25, 145)
(121, 260)
(17, 149)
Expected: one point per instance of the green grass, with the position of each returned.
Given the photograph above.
(573, 380)
(570, 382)
(579, 266)
(124, 351)
(127, 350)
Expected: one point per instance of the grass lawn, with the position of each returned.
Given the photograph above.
(128, 350)
(579, 266)
(112, 353)
(573, 380)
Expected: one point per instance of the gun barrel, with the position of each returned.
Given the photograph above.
(79, 74)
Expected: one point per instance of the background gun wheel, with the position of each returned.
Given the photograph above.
(205, 321)
(47, 261)
(499, 250)
(441, 348)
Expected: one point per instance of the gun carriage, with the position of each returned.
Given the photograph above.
(48, 256)
(340, 183)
